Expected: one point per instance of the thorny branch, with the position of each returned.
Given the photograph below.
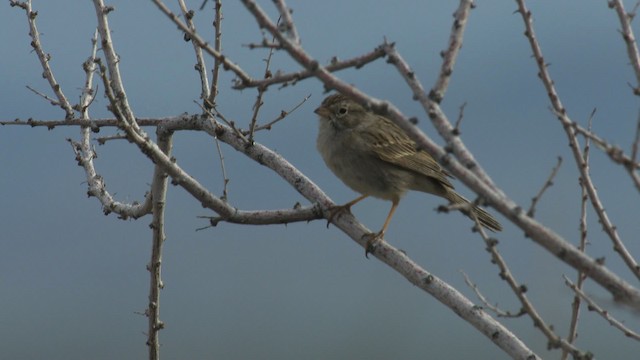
(201, 67)
(575, 305)
(593, 306)
(450, 55)
(44, 58)
(629, 39)
(567, 124)
(620, 289)
(217, 24)
(547, 184)
(334, 65)
(287, 38)
(261, 90)
(520, 290)
(615, 153)
(226, 63)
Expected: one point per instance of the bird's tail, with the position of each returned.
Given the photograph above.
(486, 219)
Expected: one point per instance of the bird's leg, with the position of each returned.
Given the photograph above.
(375, 238)
(346, 207)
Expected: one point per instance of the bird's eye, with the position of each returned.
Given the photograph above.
(342, 110)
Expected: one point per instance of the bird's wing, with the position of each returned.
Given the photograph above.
(397, 148)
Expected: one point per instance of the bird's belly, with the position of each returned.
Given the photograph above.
(369, 175)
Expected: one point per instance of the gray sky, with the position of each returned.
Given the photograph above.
(74, 281)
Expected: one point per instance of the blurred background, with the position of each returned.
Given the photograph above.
(74, 282)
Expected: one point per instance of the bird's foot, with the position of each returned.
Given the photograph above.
(336, 210)
(373, 240)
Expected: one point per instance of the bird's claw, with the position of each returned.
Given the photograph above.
(372, 242)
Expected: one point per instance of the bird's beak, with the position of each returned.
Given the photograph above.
(322, 111)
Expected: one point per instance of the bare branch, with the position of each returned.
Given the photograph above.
(451, 54)
(456, 128)
(554, 341)
(499, 312)
(261, 90)
(85, 153)
(593, 306)
(615, 153)
(636, 143)
(44, 58)
(265, 44)
(547, 184)
(282, 116)
(333, 66)
(94, 124)
(201, 66)
(287, 26)
(266, 217)
(217, 24)
(223, 171)
(629, 39)
(575, 305)
(567, 124)
(159, 196)
(53, 101)
(114, 86)
(226, 63)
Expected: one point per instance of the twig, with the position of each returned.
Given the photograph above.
(547, 184)
(632, 13)
(333, 66)
(159, 196)
(287, 25)
(575, 305)
(283, 114)
(593, 306)
(226, 63)
(450, 55)
(223, 171)
(94, 124)
(114, 87)
(261, 90)
(213, 113)
(553, 340)
(89, 66)
(53, 101)
(634, 156)
(103, 139)
(201, 66)
(265, 44)
(615, 153)
(636, 143)
(499, 312)
(44, 58)
(629, 39)
(456, 128)
(266, 217)
(217, 24)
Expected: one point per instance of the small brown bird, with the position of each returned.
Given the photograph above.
(375, 157)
